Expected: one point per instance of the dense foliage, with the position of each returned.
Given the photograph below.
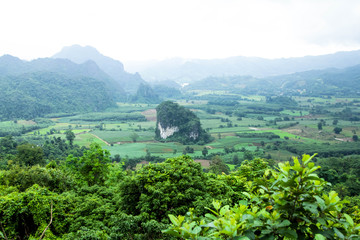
(90, 198)
(288, 203)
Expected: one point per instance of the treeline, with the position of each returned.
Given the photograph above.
(323, 150)
(107, 116)
(14, 128)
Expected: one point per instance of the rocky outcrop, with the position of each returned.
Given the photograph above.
(176, 123)
(167, 132)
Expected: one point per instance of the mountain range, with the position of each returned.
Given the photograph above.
(80, 79)
(331, 81)
(188, 71)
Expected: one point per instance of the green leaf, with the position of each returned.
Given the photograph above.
(246, 194)
(320, 201)
(338, 233)
(306, 158)
(212, 217)
(196, 230)
(241, 238)
(243, 202)
(284, 223)
(349, 220)
(209, 225)
(171, 232)
(311, 207)
(319, 237)
(288, 233)
(217, 205)
(174, 220)
(250, 234)
(321, 221)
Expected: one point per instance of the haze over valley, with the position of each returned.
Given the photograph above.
(168, 120)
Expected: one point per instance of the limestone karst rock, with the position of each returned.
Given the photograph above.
(176, 123)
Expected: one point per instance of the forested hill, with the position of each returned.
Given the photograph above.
(339, 82)
(35, 94)
(13, 66)
(32, 89)
(114, 68)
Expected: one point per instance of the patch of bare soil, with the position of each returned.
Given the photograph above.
(144, 162)
(344, 139)
(150, 115)
(203, 162)
(25, 122)
(81, 133)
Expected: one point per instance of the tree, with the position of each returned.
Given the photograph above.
(335, 122)
(217, 166)
(248, 155)
(165, 188)
(337, 130)
(93, 165)
(134, 137)
(236, 159)
(30, 154)
(205, 151)
(319, 126)
(70, 136)
(355, 138)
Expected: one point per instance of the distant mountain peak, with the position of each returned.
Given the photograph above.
(112, 67)
(10, 58)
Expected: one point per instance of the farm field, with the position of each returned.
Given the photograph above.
(265, 130)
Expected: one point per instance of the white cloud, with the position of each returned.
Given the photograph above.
(156, 29)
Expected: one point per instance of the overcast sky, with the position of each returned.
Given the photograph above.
(159, 29)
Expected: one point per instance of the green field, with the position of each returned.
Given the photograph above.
(134, 138)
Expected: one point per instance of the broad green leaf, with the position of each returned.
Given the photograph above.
(241, 238)
(224, 209)
(338, 233)
(171, 232)
(312, 207)
(288, 233)
(217, 205)
(349, 220)
(319, 237)
(306, 158)
(174, 220)
(196, 230)
(246, 194)
(284, 223)
(208, 215)
(321, 221)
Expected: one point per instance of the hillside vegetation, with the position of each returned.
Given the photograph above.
(35, 94)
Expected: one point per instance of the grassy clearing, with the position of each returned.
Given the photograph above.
(280, 155)
(86, 139)
(128, 149)
(124, 136)
(295, 113)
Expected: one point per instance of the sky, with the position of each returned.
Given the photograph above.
(139, 30)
